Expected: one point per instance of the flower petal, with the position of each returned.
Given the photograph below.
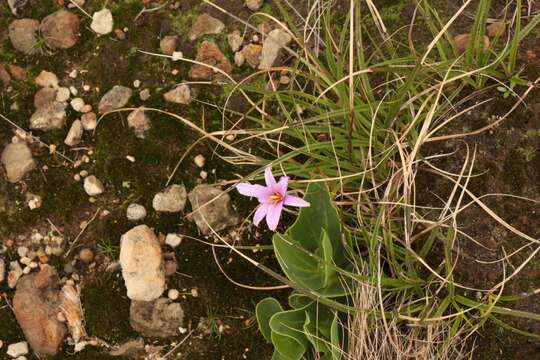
(269, 178)
(282, 184)
(295, 201)
(260, 213)
(258, 191)
(273, 214)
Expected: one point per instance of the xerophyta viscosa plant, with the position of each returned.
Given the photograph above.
(351, 123)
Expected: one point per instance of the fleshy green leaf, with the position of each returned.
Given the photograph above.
(287, 333)
(265, 309)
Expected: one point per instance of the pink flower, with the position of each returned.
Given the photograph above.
(272, 198)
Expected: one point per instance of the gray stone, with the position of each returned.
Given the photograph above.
(171, 199)
(139, 121)
(49, 117)
(181, 94)
(168, 44)
(18, 161)
(274, 42)
(205, 24)
(135, 212)
(131, 349)
(44, 97)
(75, 134)
(142, 264)
(115, 98)
(23, 35)
(211, 209)
(159, 318)
(60, 29)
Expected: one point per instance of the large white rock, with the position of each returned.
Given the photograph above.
(142, 264)
(102, 22)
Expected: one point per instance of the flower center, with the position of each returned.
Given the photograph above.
(275, 198)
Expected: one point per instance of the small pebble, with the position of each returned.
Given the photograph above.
(86, 256)
(93, 186)
(173, 240)
(137, 84)
(135, 212)
(144, 94)
(130, 158)
(199, 160)
(77, 104)
(203, 174)
(73, 74)
(17, 349)
(173, 294)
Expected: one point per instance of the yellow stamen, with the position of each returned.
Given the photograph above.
(275, 198)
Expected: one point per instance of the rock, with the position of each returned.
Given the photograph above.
(47, 78)
(210, 54)
(44, 97)
(60, 29)
(35, 305)
(77, 104)
(86, 255)
(33, 201)
(252, 54)
(132, 349)
(139, 122)
(89, 121)
(120, 35)
(144, 94)
(17, 6)
(114, 99)
(62, 94)
(171, 199)
(199, 160)
(254, 5)
(15, 273)
(181, 94)
(5, 78)
(17, 349)
(173, 240)
(93, 186)
(274, 42)
(18, 161)
(160, 318)
(2, 271)
(239, 59)
(75, 134)
(235, 40)
(216, 215)
(462, 42)
(495, 29)
(205, 24)
(135, 212)
(18, 72)
(168, 44)
(49, 117)
(23, 35)
(142, 264)
(170, 267)
(173, 294)
(177, 55)
(71, 309)
(102, 22)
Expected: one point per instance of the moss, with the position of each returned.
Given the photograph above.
(107, 308)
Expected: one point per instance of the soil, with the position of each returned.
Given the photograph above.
(222, 314)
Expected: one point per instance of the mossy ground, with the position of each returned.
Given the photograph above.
(111, 62)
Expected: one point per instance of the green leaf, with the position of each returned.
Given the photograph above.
(318, 327)
(313, 219)
(335, 338)
(287, 333)
(265, 309)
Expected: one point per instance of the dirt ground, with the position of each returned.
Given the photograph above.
(507, 159)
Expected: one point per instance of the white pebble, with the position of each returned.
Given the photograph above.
(135, 212)
(173, 240)
(199, 160)
(62, 94)
(17, 349)
(77, 104)
(173, 294)
(137, 84)
(73, 90)
(93, 186)
(130, 158)
(203, 174)
(73, 74)
(177, 55)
